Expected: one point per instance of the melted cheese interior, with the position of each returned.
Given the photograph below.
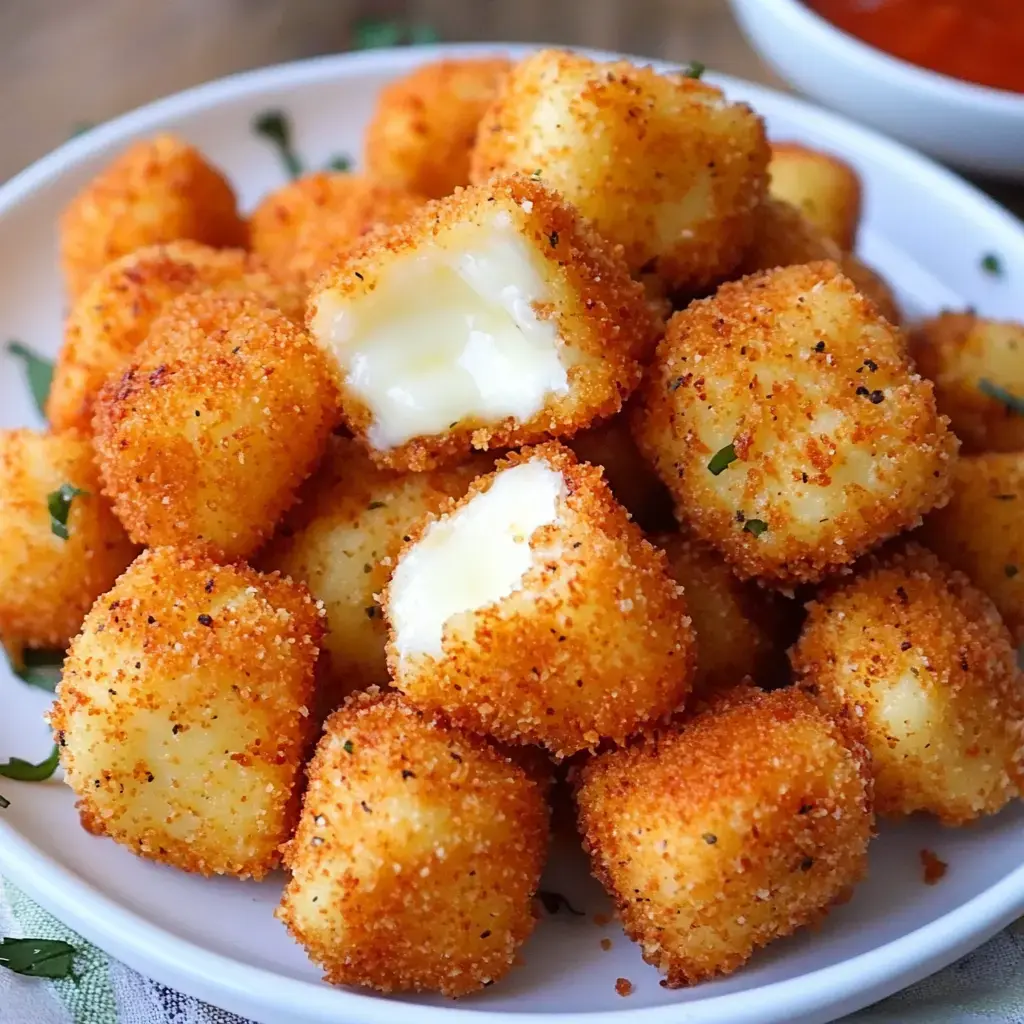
(448, 335)
(473, 558)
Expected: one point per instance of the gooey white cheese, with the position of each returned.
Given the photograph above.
(448, 334)
(475, 557)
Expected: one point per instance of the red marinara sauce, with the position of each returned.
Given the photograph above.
(978, 41)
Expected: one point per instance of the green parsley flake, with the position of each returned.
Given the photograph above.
(37, 958)
(25, 771)
(694, 69)
(59, 504)
(992, 264)
(37, 668)
(339, 162)
(38, 371)
(1010, 400)
(276, 128)
(723, 457)
(348, 746)
(755, 526)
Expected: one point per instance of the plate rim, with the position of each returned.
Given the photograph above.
(223, 981)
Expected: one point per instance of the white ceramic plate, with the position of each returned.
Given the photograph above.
(217, 939)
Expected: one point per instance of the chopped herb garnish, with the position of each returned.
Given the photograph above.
(1011, 570)
(39, 372)
(536, 175)
(553, 239)
(710, 838)
(755, 526)
(554, 901)
(1010, 400)
(348, 746)
(992, 264)
(723, 457)
(38, 668)
(59, 504)
(339, 162)
(4, 802)
(694, 69)
(25, 771)
(376, 504)
(676, 384)
(276, 128)
(37, 958)
(372, 34)
(81, 128)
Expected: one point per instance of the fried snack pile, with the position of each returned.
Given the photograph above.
(391, 447)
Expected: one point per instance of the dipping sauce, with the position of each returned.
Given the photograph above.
(979, 41)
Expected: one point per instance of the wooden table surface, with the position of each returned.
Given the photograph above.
(64, 63)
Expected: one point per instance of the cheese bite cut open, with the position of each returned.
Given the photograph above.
(533, 610)
(494, 318)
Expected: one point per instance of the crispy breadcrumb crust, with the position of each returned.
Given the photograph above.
(981, 530)
(926, 670)
(302, 227)
(594, 645)
(424, 124)
(725, 833)
(48, 584)
(341, 540)
(158, 190)
(662, 164)
(599, 311)
(783, 237)
(417, 854)
(825, 189)
(838, 444)
(115, 312)
(205, 439)
(740, 628)
(960, 351)
(184, 712)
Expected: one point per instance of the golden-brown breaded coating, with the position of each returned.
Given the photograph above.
(341, 540)
(732, 830)
(534, 611)
(787, 421)
(740, 628)
(492, 319)
(47, 583)
(635, 485)
(115, 312)
(925, 668)
(185, 713)
(981, 530)
(205, 439)
(824, 188)
(977, 366)
(784, 237)
(158, 190)
(302, 227)
(424, 125)
(663, 164)
(417, 854)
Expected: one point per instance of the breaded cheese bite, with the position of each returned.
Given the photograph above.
(48, 581)
(417, 854)
(740, 628)
(341, 541)
(115, 312)
(718, 836)
(534, 611)
(977, 366)
(662, 164)
(424, 125)
(981, 530)
(635, 485)
(184, 713)
(926, 669)
(205, 439)
(302, 227)
(785, 418)
(492, 319)
(158, 190)
(825, 189)
(783, 237)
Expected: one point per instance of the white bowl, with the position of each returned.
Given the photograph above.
(217, 938)
(970, 126)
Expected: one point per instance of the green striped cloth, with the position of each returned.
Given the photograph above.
(985, 986)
